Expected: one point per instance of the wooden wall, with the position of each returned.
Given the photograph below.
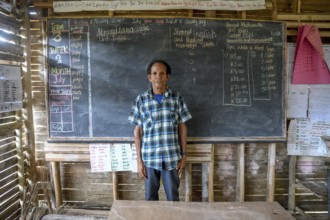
(86, 189)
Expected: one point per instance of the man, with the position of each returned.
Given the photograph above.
(160, 133)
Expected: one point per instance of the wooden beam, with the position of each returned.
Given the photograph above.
(240, 183)
(274, 11)
(57, 183)
(115, 186)
(271, 172)
(295, 32)
(292, 182)
(188, 182)
(43, 4)
(210, 176)
(211, 14)
(320, 25)
(21, 159)
(303, 17)
(190, 13)
(205, 182)
(25, 30)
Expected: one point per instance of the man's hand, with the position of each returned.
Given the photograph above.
(142, 170)
(181, 165)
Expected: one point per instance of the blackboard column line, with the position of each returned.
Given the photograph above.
(89, 86)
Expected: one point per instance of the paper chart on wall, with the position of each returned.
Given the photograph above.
(304, 138)
(110, 157)
(11, 89)
(100, 158)
(319, 103)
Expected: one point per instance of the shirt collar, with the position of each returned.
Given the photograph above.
(167, 92)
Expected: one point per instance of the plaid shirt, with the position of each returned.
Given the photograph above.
(160, 140)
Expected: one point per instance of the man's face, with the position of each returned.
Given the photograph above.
(158, 76)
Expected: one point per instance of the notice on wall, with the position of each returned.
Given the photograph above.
(297, 101)
(11, 92)
(112, 5)
(100, 157)
(111, 157)
(305, 138)
(319, 103)
(121, 157)
(134, 159)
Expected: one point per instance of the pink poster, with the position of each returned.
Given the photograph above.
(310, 66)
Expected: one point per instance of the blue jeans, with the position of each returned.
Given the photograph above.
(171, 182)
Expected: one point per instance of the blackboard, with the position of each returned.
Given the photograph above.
(229, 72)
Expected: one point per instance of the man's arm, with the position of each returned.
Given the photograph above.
(138, 145)
(183, 145)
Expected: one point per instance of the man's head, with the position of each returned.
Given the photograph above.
(158, 75)
(168, 67)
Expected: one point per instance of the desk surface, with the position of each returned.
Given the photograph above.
(137, 210)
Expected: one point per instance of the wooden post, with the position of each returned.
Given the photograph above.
(57, 182)
(188, 181)
(111, 14)
(210, 175)
(292, 182)
(211, 14)
(271, 172)
(20, 158)
(205, 182)
(115, 186)
(240, 183)
(190, 12)
(243, 14)
(274, 13)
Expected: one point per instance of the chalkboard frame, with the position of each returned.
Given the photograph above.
(192, 139)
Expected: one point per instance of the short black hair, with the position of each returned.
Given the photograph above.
(168, 67)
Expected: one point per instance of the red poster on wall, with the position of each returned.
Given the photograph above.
(310, 66)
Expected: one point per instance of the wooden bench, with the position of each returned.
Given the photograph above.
(55, 153)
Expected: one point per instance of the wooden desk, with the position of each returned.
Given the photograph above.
(147, 210)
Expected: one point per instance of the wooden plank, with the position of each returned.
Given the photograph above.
(5, 190)
(7, 171)
(11, 154)
(9, 23)
(67, 157)
(271, 172)
(292, 181)
(210, 176)
(240, 184)
(115, 186)
(197, 210)
(303, 17)
(200, 159)
(6, 47)
(12, 211)
(188, 182)
(10, 178)
(57, 183)
(8, 198)
(8, 163)
(205, 183)
(9, 146)
(10, 36)
(10, 57)
(320, 25)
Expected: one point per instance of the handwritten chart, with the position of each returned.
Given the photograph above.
(11, 93)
